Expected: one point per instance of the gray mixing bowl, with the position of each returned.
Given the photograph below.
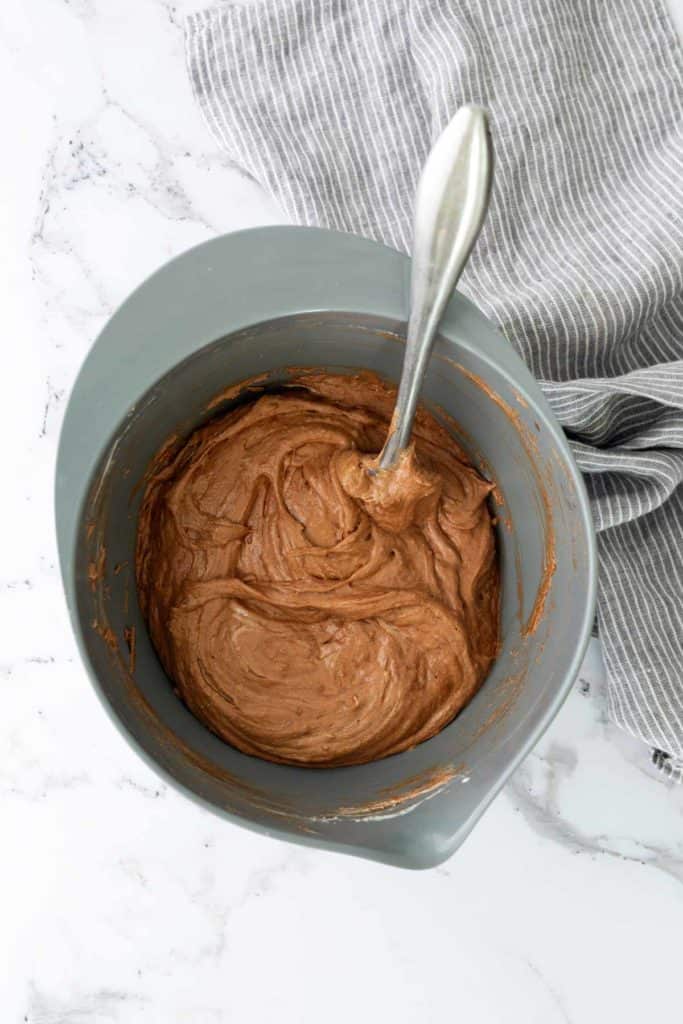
(260, 302)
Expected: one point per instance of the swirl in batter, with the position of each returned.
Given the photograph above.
(307, 611)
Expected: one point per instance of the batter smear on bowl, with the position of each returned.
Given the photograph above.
(308, 611)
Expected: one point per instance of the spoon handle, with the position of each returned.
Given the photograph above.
(450, 205)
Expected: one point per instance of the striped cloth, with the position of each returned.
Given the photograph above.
(332, 106)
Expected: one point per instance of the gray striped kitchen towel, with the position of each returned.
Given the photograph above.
(332, 106)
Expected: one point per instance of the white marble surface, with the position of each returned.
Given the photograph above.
(120, 900)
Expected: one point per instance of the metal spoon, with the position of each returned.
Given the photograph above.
(450, 205)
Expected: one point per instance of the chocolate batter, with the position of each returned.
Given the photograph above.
(308, 611)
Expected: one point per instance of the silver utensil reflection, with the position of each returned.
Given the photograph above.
(450, 206)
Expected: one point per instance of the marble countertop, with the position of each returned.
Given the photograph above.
(121, 900)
